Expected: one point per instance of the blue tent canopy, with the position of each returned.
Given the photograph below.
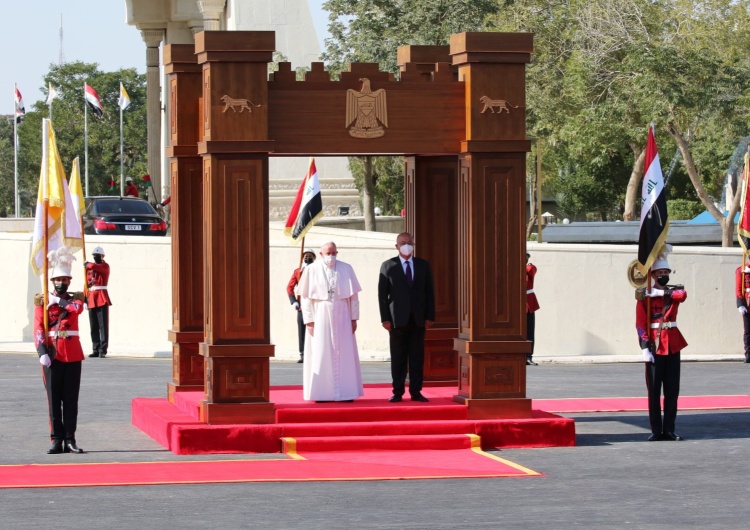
(706, 218)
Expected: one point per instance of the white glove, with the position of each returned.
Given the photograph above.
(647, 355)
(44, 360)
(742, 309)
(53, 299)
(655, 293)
(295, 305)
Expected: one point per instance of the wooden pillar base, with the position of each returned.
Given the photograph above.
(492, 370)
(483, 409)
(236, 383)
(237, 413)
(187, 363)
(440, 359)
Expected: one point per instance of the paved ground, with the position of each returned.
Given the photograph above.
(612, 478)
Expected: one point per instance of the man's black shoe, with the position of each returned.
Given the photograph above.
(94, 355)
(71, 447)
(301, 359)
(672, 437)
(102, 355)
(654, 438)
(529, 362)
(56, 449)
(420, 397)
(395, 399)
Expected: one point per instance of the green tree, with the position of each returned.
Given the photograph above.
(372, 32)
(103, 133)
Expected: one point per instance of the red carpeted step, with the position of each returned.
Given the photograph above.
(378, 428)
(352, 413)
(379, 443)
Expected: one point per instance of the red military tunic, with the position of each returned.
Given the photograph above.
(531, 302)
(663, 321)
(97, 276)
(296, 275)
(65, 336)
(742, 287)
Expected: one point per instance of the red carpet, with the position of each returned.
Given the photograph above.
(636, 404)
(469, 462)
(371, 422)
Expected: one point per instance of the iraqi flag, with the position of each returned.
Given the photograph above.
(654, 219)
(20, 109)
(743, 227)
(307, 207)
(92, 100)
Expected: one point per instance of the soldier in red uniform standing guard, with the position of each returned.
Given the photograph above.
(661, 342)
(307, 258)
(97, 276)
(60, 352)
(532, 305)
(742, 291)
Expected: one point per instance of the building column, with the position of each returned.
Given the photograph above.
(211, 11)
(153, 38)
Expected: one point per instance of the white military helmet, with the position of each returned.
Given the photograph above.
(61, 262)
(98, 250)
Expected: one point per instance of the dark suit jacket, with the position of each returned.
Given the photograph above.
(398, 301)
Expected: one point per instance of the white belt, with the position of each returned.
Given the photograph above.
(530, 291)
(98, 288)
(747, 289)
(63, 333)
(664, 325)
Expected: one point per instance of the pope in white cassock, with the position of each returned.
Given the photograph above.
(330, 308)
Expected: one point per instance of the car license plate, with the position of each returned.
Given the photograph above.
(136, 228)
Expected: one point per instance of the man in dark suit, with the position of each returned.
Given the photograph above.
(406, 295)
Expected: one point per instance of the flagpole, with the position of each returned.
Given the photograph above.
(45, 216)
(86, 139)
(15, 151)
(122, 169)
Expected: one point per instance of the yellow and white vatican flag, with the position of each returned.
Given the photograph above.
(55, 224)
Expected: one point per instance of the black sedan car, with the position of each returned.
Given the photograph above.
(122, 216)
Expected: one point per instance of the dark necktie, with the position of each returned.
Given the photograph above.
(409, 278)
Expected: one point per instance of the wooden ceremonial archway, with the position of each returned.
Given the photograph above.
(457, 114)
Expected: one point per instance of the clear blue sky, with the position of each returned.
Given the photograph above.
(94, 31)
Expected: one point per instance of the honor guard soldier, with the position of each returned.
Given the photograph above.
(98, 302)
(532, 305)
(60, 352)
(742, 291)
(308, 257)
(661, 342)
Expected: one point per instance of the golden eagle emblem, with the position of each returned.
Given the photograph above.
(366, 111)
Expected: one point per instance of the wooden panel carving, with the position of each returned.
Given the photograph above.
(237, 380)
(187, 243)
(237, 250)
(187, 365)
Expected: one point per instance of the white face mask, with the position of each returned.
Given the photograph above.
(406, 250)
(330, 260)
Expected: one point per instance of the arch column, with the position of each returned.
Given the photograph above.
(491, 249)
(153, 38)
(237, 345)
(186, 182)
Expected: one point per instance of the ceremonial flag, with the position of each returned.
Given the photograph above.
(93, 101)
(52, 94)
(124, 100)
(654, 219)
(20, 109)
(76, 190)
(307, 207)
(743, 227)
(62, 227)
